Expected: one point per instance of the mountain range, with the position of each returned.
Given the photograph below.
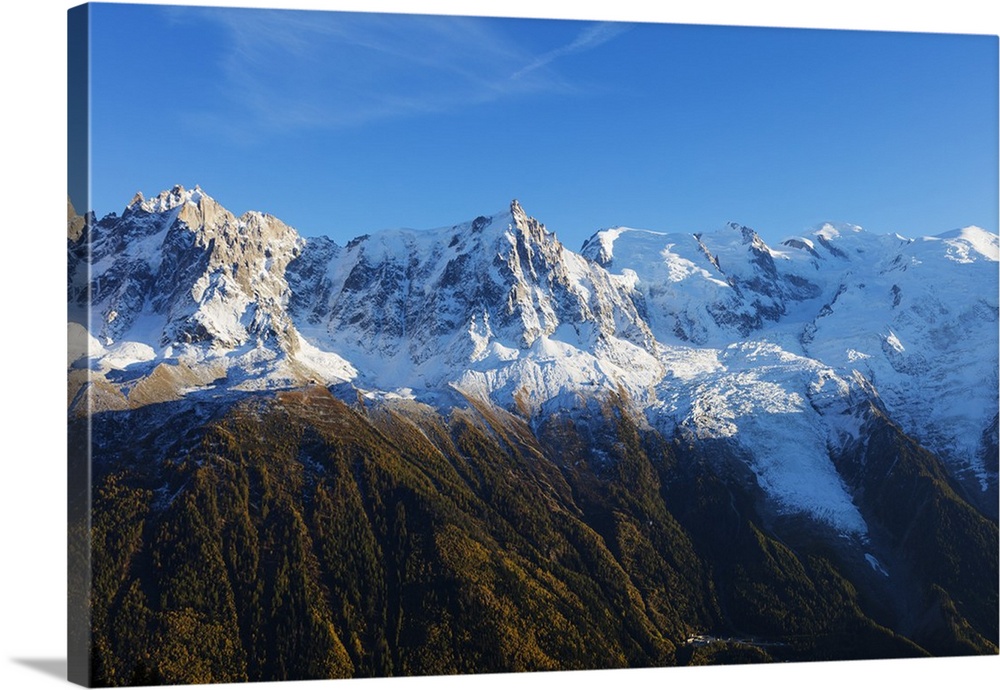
(783, 452)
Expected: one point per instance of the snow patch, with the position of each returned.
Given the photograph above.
(875, 565)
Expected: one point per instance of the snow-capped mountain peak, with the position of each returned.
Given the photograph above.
(965, 243)
(783, 351)
(167, 200)
(830, 230)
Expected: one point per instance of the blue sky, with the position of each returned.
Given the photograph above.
(341, 124)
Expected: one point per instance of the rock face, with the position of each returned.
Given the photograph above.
(184, 260)
(782, 352)
(178, 280)
(467, 303)
(75, 223)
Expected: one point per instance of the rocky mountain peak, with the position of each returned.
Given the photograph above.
(75, 223)
(167, 200)
(532, 230)
(747, 236)
(497, 305)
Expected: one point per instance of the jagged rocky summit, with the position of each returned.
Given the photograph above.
(785, 353)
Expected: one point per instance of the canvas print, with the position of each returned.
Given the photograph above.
(691, 357)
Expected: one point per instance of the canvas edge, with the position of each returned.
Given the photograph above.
(79, 572)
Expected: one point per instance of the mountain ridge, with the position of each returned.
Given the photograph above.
(708, 335)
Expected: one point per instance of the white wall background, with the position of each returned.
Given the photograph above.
(32, 335)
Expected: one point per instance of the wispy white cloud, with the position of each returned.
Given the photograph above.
(591, 37)
(287, 70)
